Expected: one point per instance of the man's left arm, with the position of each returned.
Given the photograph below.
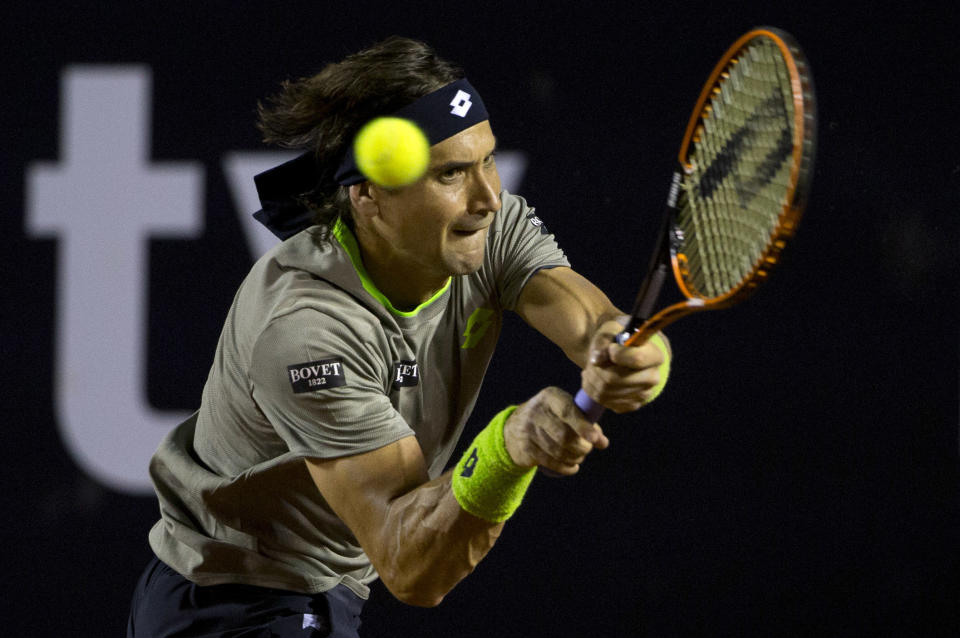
(578, 317)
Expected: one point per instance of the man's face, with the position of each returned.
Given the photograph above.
(438, 225)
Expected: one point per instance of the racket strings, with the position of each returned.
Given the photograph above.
(731, 202)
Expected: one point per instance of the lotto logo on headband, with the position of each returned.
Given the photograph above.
(461, 104)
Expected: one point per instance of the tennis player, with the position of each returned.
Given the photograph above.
(350, 362)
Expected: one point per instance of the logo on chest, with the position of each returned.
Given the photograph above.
(317, 375)
(477, 324)
(405, 374)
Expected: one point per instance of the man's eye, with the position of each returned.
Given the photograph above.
(451, 174)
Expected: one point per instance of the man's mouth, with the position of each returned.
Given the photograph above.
(467, 232)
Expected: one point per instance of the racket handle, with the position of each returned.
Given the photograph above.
(590, 408)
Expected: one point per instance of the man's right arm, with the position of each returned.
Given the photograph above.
(413, 529)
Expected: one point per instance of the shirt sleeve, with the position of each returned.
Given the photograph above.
(522, 245)
(320, 381)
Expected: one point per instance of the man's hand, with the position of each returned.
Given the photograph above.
(549, 430)
(621, 378)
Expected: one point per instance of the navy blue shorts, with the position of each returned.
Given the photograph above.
(165, 605)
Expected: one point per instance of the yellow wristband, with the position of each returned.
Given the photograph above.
(486, 482)
(664, 368)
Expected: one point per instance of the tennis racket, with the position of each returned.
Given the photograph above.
(737, 195)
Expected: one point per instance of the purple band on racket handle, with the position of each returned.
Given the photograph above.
(590, 408)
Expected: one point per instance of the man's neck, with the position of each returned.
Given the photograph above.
(400, 280)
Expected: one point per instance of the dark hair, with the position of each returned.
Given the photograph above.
(323, 112)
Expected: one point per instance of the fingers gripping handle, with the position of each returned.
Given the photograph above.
(590, 408)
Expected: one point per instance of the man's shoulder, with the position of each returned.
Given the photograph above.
(312, 250)
(512, 206)
(307, 278)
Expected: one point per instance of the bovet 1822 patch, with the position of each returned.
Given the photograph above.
(405, 374)
(317, 375)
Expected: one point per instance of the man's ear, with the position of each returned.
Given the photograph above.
(364, 200)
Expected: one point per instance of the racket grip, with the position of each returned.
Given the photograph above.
(590, 408)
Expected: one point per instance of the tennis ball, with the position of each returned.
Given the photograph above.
(391, 151)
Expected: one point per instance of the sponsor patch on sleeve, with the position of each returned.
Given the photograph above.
(405, 374)
(536, 222)
(317, 375)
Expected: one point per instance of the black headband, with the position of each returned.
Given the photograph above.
(441, 114)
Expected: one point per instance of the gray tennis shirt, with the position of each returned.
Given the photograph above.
(313, 361)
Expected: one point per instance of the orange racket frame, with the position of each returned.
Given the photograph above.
(794, 203)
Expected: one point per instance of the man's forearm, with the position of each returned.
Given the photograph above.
(430, 543)
(567, 309)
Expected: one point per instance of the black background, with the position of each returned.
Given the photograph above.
(800, 474)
